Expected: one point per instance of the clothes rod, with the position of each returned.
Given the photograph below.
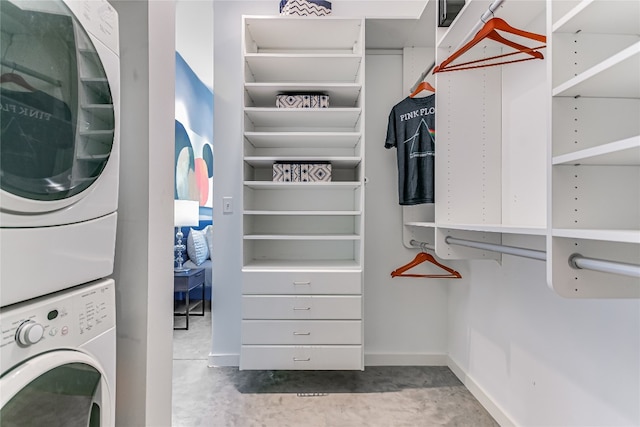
(32, 73)
(510, 250)
(422, 245)
(483, 20)
(576, 261)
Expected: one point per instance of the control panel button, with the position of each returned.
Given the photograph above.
(29, 332)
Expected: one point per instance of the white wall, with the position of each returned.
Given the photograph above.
(143, 267)
(545, 360)
(194, 37)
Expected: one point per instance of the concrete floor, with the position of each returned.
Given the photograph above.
(406, 396)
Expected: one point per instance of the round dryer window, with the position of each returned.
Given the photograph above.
(56, 109)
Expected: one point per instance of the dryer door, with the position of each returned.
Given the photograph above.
(56, 108)
(61, 388)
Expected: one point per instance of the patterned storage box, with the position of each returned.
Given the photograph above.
(314, 172)
(302, 100)
(305, 7)
(286, 172)
(301, 172)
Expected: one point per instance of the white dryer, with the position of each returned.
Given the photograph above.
(59, 144)
(58, 359)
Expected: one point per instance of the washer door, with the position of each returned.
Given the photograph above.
(56, 108)
(61, 388)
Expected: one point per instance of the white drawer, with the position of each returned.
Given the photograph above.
(302, 332)
(301, 357)
(283, 307)
(302, 282)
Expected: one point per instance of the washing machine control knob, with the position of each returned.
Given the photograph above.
(29, 332)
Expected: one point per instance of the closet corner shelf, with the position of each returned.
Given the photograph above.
(615, 77)
(625, 152)
(311, 186)
(599, 17)
(497, 228)
(620, 236)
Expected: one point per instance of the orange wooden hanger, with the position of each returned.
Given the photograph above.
(489, 31)
(419, 259)
(422, 86)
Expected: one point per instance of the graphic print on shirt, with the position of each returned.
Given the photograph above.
(414, 149)
(411, 130)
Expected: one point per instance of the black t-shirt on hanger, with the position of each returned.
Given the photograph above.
(411, 130)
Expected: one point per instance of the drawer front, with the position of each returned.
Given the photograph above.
(305, 307)
(302, 283)
(302, 332)
(301, 357)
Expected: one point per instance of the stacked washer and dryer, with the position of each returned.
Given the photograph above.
(59, 167)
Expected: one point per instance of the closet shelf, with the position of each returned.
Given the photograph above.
(303, 139)
(303, 33)
(268, 161)
(496, 228)
(304, 68)
(340, 94)
(301, 213)
(310, 186)
(346, 118)
(421, 224)
(615, 77)
(625, 152)
(598, 16)
(517, 13)
(301, 237)
(621, 236)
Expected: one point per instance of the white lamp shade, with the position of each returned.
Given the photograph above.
(186, 213)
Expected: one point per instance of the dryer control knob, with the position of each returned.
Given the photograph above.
(29, 332)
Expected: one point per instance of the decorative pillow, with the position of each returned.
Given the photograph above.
(197, 247)
(208, 234)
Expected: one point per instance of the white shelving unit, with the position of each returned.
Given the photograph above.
(594, 144)
(491, 128)
(303, 241)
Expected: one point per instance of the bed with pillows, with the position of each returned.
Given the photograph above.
(199, 243)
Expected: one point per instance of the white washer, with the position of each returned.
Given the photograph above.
(59, 159)
(58, 359)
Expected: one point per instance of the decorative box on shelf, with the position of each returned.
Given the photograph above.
(302, 100)
(305, 7)
(302, 172)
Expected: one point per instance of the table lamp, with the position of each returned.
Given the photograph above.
(186, 213)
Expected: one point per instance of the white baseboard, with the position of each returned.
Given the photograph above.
(495, 410)
(216, 360)
(404, 359)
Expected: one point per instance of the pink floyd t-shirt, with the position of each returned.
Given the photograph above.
(411, 129)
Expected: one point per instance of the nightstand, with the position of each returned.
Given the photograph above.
(185, 281)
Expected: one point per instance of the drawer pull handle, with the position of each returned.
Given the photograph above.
(302, 283)
(301, 308)
(297, 359)
(302, 333)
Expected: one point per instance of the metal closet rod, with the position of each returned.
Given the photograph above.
(33, 73)
(483, 20)
(576, 261)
